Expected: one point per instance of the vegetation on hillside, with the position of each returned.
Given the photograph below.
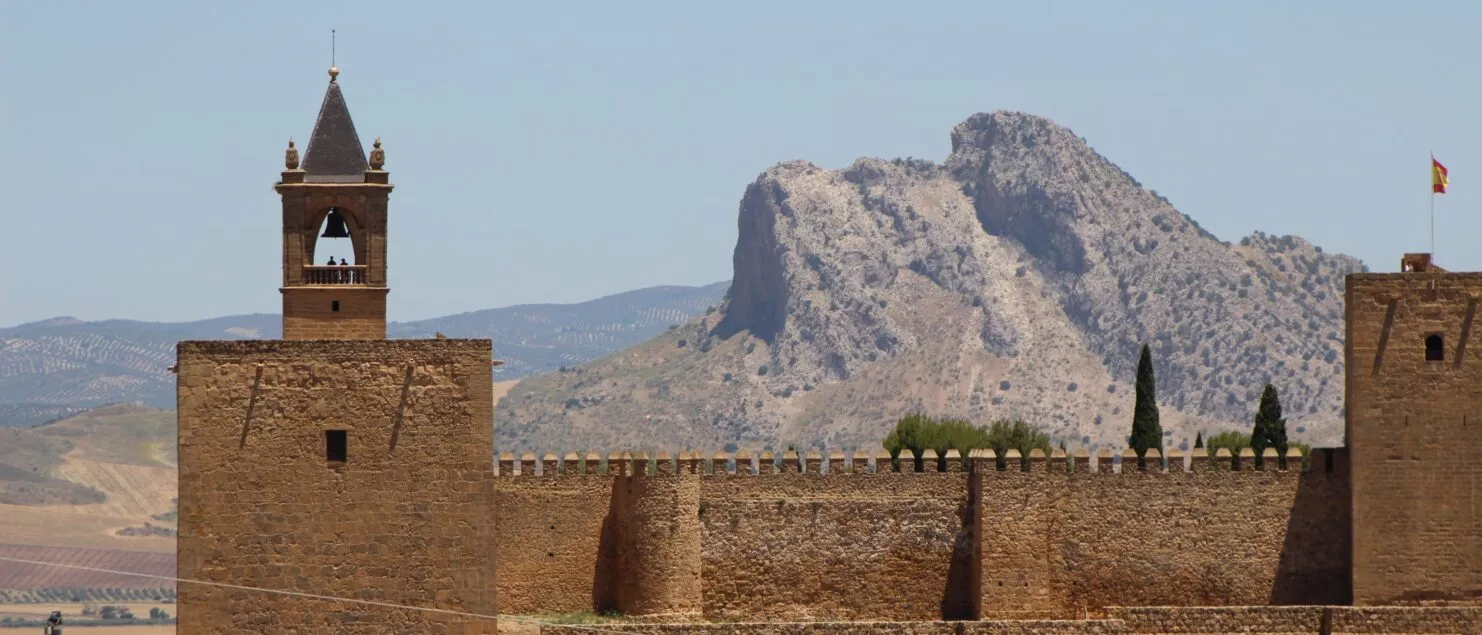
(122, 434)
(26, 463)
(172, 515)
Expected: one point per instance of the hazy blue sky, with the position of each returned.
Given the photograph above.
(559, 151)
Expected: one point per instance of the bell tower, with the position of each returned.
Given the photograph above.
(337, 189)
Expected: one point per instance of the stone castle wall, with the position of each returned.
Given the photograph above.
(786, 541)
(1251, 620)
(1056, 540)
(1416, 435)
(407, 518)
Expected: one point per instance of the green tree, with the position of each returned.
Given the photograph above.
(915, 433)
(1199, 440)
(909, 434)
(1004, 435)
(1270, 427)
(1146, 433)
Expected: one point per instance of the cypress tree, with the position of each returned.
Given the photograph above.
(1199, 440)
(1270, 428)
(1146, 433)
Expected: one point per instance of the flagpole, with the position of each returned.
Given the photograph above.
(1433, 206)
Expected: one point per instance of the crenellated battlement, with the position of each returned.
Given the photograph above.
(838, 463)
(975, 525)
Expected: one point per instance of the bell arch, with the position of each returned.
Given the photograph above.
(325, 222)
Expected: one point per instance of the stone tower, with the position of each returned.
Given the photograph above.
(1414, 432)
(336, 463)
(334, 183)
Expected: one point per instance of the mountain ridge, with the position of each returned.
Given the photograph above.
(60, 366)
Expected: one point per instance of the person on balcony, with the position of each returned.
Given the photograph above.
(332, 276)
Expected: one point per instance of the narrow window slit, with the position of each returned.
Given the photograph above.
(1435, 348)
(336, 445)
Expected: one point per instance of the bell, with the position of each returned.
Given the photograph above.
(334, 226)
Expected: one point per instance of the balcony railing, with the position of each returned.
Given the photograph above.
(335, 274)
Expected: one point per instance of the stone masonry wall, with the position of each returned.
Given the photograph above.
(860, 543)
(1057, 542)
(1300, 619)
(406, 519)
(308, 313)
(1249, 620)
(659, 559)
(845, 546)
(556, 540)
(1415, 426)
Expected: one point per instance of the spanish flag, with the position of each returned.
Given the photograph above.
(1438, 177)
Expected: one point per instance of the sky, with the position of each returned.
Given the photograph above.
(562, 151)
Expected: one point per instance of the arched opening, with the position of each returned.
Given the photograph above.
(334, 249)
(1435, 348)
(333, 239)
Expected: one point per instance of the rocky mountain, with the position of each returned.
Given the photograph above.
(57, 367)
(1017, 278)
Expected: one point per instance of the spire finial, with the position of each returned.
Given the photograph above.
(377, 155)
(334, 72)
(290, 157)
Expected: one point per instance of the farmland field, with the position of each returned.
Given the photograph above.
(17, 575)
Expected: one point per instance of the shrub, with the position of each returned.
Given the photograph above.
(1232, 440)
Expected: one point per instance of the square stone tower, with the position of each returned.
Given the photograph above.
(335, 463)
(1414, 432)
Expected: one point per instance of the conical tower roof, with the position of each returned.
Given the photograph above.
(334, 152)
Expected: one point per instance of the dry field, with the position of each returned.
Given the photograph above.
(502, 388)
(134, 493)
(127, 453)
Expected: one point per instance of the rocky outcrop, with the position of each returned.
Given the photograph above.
(1017, 278)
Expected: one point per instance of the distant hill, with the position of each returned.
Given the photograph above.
(58, 367)
(1017, 278)
(103, 479)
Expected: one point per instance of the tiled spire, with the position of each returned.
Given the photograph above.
(334, 152)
